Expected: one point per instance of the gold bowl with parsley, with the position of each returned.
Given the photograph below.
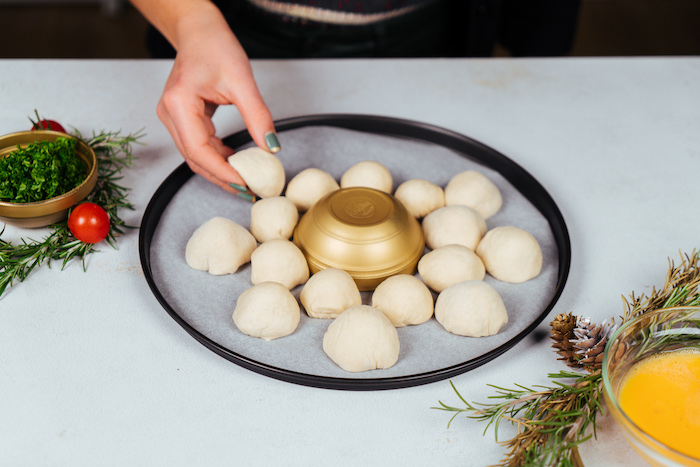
(43, 173)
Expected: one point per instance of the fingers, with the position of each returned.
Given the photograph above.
(210, 70)
(189, 123)
(258, 119)
(241, 90)
(220, 147)
(205, 154)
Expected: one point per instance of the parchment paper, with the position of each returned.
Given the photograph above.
(207, 302)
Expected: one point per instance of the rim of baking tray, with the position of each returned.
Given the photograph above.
(467, 147)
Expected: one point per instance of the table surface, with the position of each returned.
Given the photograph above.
(93, 371)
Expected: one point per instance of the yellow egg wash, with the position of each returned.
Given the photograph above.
(661, 394)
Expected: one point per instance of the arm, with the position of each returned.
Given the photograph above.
(210, 69)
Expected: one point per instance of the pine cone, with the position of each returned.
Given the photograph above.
(561, 333)
(589, 342)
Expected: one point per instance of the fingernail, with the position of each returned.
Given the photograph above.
(246, 196)
(273, 145)
(240, 188)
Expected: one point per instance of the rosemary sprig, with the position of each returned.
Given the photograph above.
(680, 289)
(553, 421)
(17, 261)
(114, 153)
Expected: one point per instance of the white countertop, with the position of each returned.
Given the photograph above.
(93, 371)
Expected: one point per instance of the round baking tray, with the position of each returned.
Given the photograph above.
(465, 147)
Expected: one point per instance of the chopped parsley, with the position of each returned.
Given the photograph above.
(41, 171)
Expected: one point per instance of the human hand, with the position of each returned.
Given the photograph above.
(211, 69)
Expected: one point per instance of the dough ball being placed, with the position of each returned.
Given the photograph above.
(219, 246)
(404, 299)
(420, 197)
(272, 218)
(471, 308)
(473, 189)
(460, 225)
(280, 261)
(328, 293)
(448, 265)
(368, 174)
(267, 310)
(362, 339)
(308, 186)
(510, 254)
(261, 170)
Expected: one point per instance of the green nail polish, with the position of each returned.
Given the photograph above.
(273, 145)
(240, 188)
(246, 196)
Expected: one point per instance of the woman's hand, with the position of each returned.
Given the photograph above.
(210, 69)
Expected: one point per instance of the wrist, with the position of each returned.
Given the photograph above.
(195, 21)
(176, 19)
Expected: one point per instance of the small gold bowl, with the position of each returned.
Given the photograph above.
(43, 213)
(366, 232)
(648, 336)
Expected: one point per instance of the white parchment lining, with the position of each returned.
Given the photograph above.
(207, 302)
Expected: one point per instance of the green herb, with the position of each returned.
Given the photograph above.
(41, 171)
(552, 421)
(114, 153)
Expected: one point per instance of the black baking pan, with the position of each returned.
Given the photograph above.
(462, 145)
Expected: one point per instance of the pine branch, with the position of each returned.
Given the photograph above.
(680, 289)
(553, 421)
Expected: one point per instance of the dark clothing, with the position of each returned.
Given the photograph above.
(446, 28)
(355, 6)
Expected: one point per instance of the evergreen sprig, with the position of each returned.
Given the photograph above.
(114, 153)
(552, 421)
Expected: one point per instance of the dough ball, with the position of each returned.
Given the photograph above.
(308, 186)
(460, 225)
(448, 265)
(471, 308)
(510, 254)
(369, 174)
(404, 299)
(219, 246)
(261, 170)
(267, 310)
(362, 339)
(280, 261)
(473, 189)
(420, 197)
(272, 218)
(328, 293)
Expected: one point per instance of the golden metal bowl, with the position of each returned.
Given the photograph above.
(366, 232)
(43, 213)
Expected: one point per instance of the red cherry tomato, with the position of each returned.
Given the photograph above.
(89, 223)
(48, 125)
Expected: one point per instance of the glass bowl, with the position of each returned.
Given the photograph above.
(43, 213)
(647, 335)
(364, 231)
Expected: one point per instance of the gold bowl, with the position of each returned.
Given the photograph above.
(648, 335)
(366, 232)
(43, 213)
